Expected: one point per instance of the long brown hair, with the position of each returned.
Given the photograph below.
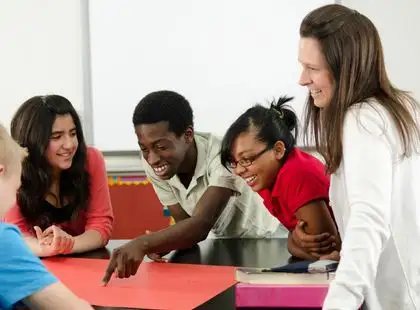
(353, 50)
(31, 127)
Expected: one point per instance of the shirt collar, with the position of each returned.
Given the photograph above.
(200, 167)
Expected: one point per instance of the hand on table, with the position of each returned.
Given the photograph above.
(125, 260)
(315, 245)
(335, 255)
(53, 241)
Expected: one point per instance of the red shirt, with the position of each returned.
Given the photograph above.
(98, 215)
(300, 180)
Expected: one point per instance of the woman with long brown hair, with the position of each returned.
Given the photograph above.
(368, 132)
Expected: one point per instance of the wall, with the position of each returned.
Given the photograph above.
(44, 48)
(136, 207)
(41, 52)
(398, 24)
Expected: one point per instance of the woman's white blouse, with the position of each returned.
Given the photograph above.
(375, 195)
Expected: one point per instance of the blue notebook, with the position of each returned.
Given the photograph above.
(320, 266)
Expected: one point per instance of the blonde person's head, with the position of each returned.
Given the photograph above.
(11, 157)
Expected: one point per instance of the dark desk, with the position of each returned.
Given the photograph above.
(230, 252)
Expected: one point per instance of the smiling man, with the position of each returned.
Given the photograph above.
(185, 171)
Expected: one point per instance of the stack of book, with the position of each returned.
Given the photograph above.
(297, 285)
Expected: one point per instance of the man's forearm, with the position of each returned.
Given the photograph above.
(191, 230)
(184, 234)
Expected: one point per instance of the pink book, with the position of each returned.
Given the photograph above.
(280, 296)
(257, 288)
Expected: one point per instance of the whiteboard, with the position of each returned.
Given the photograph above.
(223, 56)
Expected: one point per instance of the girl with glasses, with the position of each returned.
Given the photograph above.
(260, 147)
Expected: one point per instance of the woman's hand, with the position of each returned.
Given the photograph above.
(335, 255)
(53, 241)
(315, 245)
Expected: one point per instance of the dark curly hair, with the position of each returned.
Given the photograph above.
(31, 127)
(164, 106)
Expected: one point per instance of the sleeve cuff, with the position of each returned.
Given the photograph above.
(340, 298)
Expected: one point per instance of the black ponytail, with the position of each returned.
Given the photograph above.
(286, 114)
(276, 123)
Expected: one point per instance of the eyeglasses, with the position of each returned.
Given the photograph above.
(246, 162)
